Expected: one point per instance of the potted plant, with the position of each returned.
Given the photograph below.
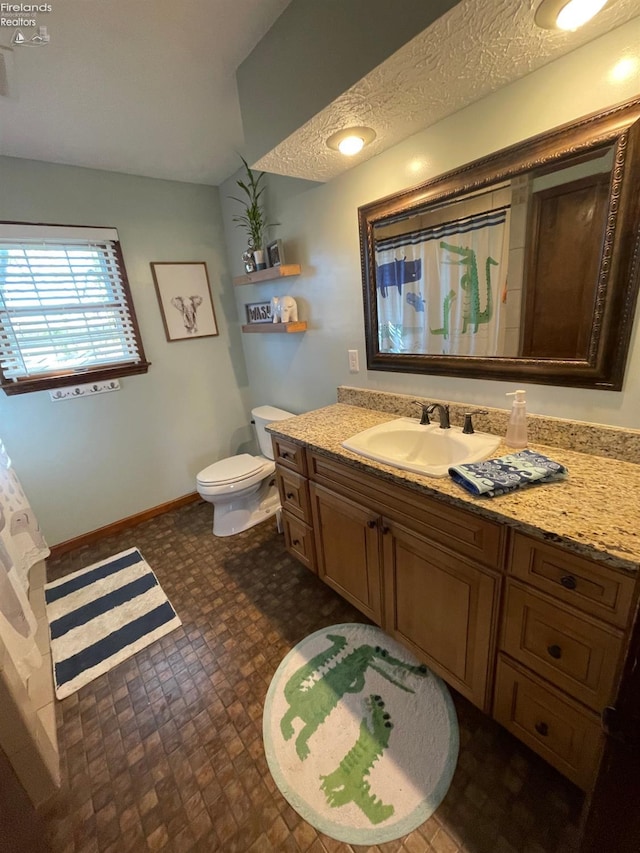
(253, 219)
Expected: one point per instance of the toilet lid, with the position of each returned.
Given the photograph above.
(231, 469)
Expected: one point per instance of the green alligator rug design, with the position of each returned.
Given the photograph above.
(360, 737)
(312, 695)
(347, 784)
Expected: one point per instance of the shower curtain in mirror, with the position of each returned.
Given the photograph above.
(439, 289)
(21, 546)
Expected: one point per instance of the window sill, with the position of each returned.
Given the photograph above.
(50, 383)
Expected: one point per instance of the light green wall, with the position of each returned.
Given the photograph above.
(319, 230)
(88, 462)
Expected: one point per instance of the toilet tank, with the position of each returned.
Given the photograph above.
(263, 415)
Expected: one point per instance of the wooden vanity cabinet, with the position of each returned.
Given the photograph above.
(420, 569)
(465, 533)
(438, 604)
(526, 630)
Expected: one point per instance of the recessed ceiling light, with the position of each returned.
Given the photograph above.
(350, 145)
(351, 140)
(567, 14)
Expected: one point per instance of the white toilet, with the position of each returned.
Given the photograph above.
(243, 488)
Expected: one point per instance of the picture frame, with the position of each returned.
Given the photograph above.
(275, 254)
(258, 312)
(184, 296)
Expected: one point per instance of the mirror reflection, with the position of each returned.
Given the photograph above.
(509, 271)
(524, 265)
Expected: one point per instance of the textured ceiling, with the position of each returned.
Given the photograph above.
(145, 87)
(474, 49)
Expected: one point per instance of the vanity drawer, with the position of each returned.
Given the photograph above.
(572, 651)
(289, 454)
(589, 586)
(294, 493)
(559, 730)
(298, 538)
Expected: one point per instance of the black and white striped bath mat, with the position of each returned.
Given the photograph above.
(102, 615)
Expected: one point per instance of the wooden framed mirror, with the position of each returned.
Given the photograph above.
(522, 265)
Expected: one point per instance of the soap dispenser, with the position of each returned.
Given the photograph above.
(516, 436)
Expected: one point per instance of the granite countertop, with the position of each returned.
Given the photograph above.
(595, 512)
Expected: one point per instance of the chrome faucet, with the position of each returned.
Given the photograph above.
(443, 412)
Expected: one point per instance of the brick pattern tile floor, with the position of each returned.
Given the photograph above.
(164, 753)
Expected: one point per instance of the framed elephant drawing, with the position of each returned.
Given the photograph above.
(185, 299)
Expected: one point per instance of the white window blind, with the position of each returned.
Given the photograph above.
(63, 302)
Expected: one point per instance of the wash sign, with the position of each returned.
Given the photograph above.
(259, 312)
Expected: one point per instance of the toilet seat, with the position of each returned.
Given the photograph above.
(231, 469)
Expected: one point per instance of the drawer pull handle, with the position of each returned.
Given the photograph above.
(385, 530)
(371, 524)
(290, 496)
(542, 729)
(285, 454)
(568, 582)
(555, 652)
(296, 542)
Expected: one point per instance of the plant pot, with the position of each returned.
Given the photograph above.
(259, 257)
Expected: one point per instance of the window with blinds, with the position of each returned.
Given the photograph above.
(65, 308)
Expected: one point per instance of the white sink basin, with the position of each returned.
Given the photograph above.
(428, 450)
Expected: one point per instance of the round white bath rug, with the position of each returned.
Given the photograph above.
(361, 739)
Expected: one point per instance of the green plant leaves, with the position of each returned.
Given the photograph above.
(253, 220)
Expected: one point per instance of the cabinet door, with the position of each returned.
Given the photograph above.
(442, 607)
(347, 549)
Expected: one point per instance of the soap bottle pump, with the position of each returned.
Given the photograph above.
(516, 436)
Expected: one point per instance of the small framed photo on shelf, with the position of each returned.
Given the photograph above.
(185, 300)
(258, 312)
(275, 255)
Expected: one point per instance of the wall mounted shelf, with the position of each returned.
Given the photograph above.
(276, 328)
(270, 274)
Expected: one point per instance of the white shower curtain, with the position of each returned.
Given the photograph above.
(21, 546)
(439, 288)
